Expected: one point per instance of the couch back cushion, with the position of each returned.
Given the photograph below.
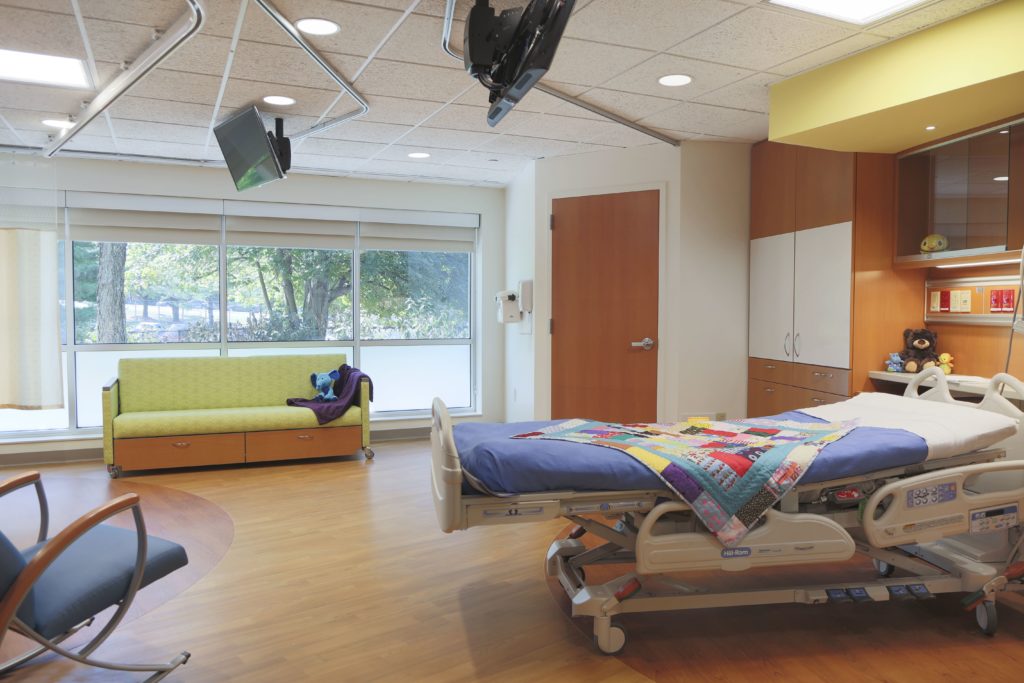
(198, 383)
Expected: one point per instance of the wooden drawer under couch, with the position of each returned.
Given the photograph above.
(778, 386)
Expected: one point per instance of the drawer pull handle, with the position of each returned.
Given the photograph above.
(304, 437)
(181, 444)
(823, 374)
(769, 390)
(769, 367)
(819, 401)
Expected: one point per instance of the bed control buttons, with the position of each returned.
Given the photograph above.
(900, 593)
(859, 594)
(920, 591)
(838, 595)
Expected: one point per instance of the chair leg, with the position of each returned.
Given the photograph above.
(160, 671)
(20, 629)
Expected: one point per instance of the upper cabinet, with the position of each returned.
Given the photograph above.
(967, 193)
(797, 188)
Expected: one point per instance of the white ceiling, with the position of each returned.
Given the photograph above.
(420, 98)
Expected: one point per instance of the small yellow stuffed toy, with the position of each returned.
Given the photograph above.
(946, 363)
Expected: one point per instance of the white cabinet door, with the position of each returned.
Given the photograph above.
(822, 283)
(771, 297)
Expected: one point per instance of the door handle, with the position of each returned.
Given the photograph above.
(646, 344)
(785, 344)
(796, 345)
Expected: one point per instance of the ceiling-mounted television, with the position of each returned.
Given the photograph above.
(510, 52)
(254, 156)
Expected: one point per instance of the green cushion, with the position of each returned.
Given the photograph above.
(149, 384)
(223, 421)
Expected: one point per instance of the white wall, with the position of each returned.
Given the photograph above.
(702, 340)
(520, 211)
(215, 183)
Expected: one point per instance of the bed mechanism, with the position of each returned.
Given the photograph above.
(953, 525)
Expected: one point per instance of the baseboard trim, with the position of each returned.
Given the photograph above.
(399, 434)
(31, 459)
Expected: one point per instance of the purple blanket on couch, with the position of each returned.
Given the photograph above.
(346, 388)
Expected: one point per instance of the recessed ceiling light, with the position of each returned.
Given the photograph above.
(418, 155)
(279, 100)
(317, 27)
(929, 127)
(59, 123)
(675, 80)
(852, 11)
(29, 67)
(1001, 178)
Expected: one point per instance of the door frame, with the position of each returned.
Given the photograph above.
(542, 389)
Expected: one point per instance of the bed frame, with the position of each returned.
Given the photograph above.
(963, 538)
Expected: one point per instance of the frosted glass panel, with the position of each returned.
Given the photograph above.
(300, 351)
(409, 377)
(37, 420)
(96, 367)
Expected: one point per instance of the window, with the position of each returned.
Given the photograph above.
(277, 294)
(140, 293)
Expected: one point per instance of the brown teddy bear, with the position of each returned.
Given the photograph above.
(919, 350)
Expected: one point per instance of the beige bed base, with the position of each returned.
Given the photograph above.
(952, 524)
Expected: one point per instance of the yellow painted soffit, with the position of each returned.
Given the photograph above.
(959, 75)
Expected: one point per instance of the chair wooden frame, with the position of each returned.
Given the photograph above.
(19, 590)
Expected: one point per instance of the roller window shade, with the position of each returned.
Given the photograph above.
(399, 237)
(110, 225)
(290, 233)
(31, 209)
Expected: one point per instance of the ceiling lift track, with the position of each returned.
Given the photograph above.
(180, 32)
(294, 34)
(446, 36)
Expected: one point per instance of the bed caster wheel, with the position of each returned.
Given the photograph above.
(614, 643)
(368, 452)
(884, 569)
(114, 471)
(988, 621)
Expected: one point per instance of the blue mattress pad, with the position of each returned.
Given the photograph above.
(513, 466)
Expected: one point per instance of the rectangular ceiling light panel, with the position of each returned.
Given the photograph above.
(852, 11)
(28, 67)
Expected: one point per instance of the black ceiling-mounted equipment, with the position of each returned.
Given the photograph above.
(253, 155)
(510, 52)
(281, 145)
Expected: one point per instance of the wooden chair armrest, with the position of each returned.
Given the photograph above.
(26, 479)
(15, 595)
(20, 481)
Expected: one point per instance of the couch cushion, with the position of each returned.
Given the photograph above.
(93, 574)
(224, 421)
(148, 384)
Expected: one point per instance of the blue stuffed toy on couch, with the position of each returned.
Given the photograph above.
(324, 383)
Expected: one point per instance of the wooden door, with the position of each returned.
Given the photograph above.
(822, 290)
(604, 265)
(771, 297)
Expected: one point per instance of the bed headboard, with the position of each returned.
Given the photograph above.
(445, 470)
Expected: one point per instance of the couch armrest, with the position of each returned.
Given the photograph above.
(364, 404)
(111, 409)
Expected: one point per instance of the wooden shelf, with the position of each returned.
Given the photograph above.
(976, 260)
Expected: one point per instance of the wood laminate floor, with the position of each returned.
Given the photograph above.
(337, 572)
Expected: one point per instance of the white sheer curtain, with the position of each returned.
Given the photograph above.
(31, 377)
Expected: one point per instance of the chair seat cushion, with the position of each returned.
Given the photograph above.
(224, 421)
(93, 574)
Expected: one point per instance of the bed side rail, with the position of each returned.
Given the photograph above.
(935, 505)
(445, 470)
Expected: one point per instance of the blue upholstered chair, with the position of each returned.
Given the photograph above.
(54, 588)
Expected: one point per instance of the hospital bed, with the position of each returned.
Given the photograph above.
(952, 523)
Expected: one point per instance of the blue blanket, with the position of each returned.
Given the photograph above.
(504, 465)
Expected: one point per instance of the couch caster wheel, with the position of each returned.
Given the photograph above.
(988, 621)
(368, 452)
(614, 643)
(884, 569)
(114, 471)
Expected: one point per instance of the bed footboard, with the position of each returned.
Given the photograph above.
(445, 469)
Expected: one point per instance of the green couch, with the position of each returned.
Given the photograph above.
(181, 412)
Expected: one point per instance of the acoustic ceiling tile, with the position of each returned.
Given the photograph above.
(361, 130)
(203, 54)
(707, 76)
(342, 148)
(284, 65)
(394, 109)
(760, 38)
(178, 86)
(362, 26)
(651, 24)
(113, 41)
(9, 138)
(401, 153)
(415, 81)
(492, 160)
(39, 98)
(171, 150)
(446, 139)
(162, 111)
(929, 15)
(623, 136)
(631, 106)
(535, 101)
(308, 101)
(692, 117)
(160, 132)
(582, 62)
(751, 93)
(323, 161)
(535, 148)
(829, 53)
(41, 32)
(566, 128)
(152, 13)
(418, 40)
(92, 143)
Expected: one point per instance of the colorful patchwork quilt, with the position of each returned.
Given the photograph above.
(730, 472)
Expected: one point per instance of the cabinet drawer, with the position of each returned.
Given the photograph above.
(809, 398)
(769, 398)
(179, 451)
(769, 370)
(821, 378)
(294, 444)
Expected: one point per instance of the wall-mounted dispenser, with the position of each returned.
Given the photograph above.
(514, 305)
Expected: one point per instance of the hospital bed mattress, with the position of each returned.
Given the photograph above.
(504, 465)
